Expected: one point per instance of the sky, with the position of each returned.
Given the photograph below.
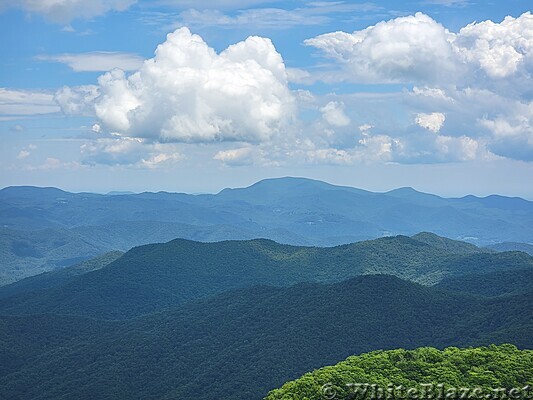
(195, 96)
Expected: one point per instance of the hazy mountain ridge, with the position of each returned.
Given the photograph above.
(58, 277)
(512, 246)
(26, 253)
(288, 210)
(264, 205)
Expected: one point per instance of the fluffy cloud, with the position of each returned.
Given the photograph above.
(413, 48)
(478, 78)
(64, 11)
(189, 93)
(333, 113)
(500, 50)
(418, 49)
(432, 122)
(502, 122)
(512, 133)
(96, 61)
(78, 100)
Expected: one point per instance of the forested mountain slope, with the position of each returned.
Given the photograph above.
(154, 277)
(245, 342)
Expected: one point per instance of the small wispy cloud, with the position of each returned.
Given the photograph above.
(64, 11)
(24, 102)
(52, 163)
(448, 3)
(96, 61)
(313, 13)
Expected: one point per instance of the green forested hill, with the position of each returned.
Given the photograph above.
(154, 277)
(244, 343)
(485, 367)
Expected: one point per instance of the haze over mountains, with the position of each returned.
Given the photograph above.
(234, 319)
(46, 228)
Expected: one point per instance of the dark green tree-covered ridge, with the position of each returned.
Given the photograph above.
(155, 277)
(241, 344)
(496, 283)
(491, 367)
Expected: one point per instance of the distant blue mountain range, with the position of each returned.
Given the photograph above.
(46, 228)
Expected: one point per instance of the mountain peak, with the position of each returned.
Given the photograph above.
(281, 182)
(405, 190)
(272, 190)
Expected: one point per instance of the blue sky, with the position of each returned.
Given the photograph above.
(380, 94)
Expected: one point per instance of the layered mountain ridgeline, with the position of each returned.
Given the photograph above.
(58, 277)
(154, 277)
(287, 210)
(487, 368)
(26, 253)
(241, 344)
(511, 246)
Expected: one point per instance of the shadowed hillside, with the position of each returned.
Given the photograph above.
(245, 342)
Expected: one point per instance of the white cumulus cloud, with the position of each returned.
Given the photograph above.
(479, 78)
(499, 49)
(417, 49)
(413, 48)
(189, 93)
(78, 100)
